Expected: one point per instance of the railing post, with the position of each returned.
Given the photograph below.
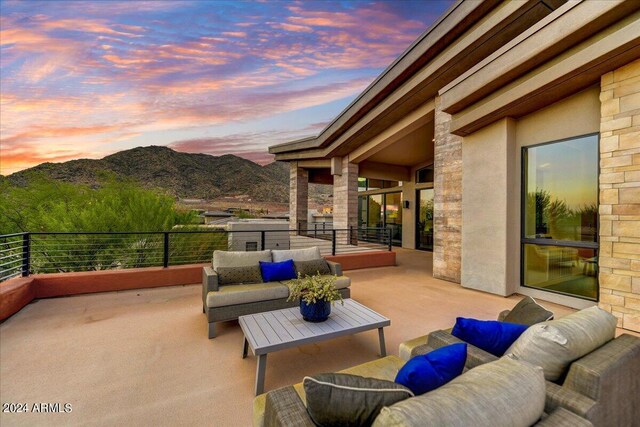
(389, 236)
(26, 254)
(262, 234)
(165, 255)
(333, 242)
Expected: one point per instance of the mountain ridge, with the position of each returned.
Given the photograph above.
(183, 175)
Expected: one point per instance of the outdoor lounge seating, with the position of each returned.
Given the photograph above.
(227, 299)
(287, 406)
(601, 386)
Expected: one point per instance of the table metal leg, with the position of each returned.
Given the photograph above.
(260, 371)
(245, 348)
(383, 348)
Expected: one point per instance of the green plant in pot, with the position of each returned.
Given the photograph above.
(316, 294)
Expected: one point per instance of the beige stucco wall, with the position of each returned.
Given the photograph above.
(487, 239)
(492, 185)
(577, 115)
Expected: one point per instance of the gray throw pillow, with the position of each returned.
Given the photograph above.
(312, 267)
(349, 400)
(528, 312)
(239, 275)
(555, 344)
(504, 393)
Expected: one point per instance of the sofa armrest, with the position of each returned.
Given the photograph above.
(610, 367)
(561, 397)
(610, 376)
(563, 418)
(413, 347)
(503, 314)
(475, 356)
(336, 268)
(283, 408)
(209, 282)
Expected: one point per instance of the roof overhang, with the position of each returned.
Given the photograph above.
(592, 41)
(465, 35)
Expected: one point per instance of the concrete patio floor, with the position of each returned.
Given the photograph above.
(143, 357)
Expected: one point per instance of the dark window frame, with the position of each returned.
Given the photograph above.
(554, 242)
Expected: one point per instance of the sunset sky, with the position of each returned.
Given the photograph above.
(84, 79)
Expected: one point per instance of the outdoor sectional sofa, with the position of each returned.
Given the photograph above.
(602, 387)
(598, 389)
(223, 301)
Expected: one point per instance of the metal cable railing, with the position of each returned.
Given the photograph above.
(22, 254)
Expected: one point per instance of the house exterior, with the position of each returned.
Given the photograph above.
(506, 139)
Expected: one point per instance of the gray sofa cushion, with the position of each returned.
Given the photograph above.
(528, 312)
(343, 399)
(242, 294)
(312, 267)
(504, 393)
(553, 345)
(239, 275)
(239, 258)
(306, 254)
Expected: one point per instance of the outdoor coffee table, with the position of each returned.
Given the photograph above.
(281, 329)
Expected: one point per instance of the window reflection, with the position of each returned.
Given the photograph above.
(562, 269)
(562, 190)
(560, 203)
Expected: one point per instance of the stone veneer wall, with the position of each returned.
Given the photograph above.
(619, 261)
(447, 201)
(298, 197)
(345, 199)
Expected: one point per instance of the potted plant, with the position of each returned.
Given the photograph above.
(316, 294)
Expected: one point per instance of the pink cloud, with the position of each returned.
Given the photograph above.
(98, 73)
(240, 34)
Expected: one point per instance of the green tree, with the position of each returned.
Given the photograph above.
(46, 205)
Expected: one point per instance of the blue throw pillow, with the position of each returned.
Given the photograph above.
(275, 271)
(429, 371)
(489, 335)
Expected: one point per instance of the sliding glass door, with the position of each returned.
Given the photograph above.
(560, 217)
(381, 211)
(393, 216)
(424, 219)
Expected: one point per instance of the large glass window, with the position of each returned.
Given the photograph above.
(560, 216)
(424, 219)
(375, 211)
(366, 184)
(393, 216)
(424, 175)
(362, 184)
(380, 211)
(362, 211)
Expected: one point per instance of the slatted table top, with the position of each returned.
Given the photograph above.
(281, 329)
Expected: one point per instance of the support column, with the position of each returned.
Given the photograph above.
(619, 258)
(345, 199)
(447, 201)
(489, 218)
(298, 197)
